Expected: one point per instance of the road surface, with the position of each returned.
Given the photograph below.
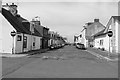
(67, 62)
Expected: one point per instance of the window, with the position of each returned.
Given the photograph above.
(101, 42)
(80, 35)
(34, 42)
(19, 38)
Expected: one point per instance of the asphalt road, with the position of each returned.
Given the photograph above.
(67, 62)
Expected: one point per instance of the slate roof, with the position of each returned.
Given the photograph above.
(20, 24)
(116, 17)
(100, 33)
(39, 29)
(36, 33)
(104, 31)
(14, 22)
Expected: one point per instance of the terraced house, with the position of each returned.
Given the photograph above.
(26, 37)
(102, 39)
(20, 35)
(91, 29)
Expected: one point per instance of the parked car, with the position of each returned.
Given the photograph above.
(80, 46)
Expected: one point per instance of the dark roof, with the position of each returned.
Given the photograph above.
(45, 28)
(21, 19)
(36, 33)
(39, 29)
(89, 23)
(24, 22)
(99, 33)
(20, 24)
(116, 17)
(14, 22)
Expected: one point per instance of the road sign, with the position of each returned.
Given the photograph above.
(13, 33)
(110, 33)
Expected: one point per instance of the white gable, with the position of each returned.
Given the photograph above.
(5, 33)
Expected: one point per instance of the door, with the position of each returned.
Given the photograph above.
(24, 43)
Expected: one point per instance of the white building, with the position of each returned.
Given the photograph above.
(83, 37)
(102, 39)
(24, 40)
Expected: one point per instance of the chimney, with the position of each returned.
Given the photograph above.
(96, 20)
(13, 9)
(89, 23)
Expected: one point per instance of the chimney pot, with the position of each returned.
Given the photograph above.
(12, 3)
(96, 20)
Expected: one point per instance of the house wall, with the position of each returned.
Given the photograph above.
(0, 27)
(49, 42)
(84, 38)
(6, 38)
(37, 46)
(19, 44)
(97, 42)
(28, 48)
(105, 44)
(115, 39)
(113, 45)
(30, 41)
(118, 37)
(36, 40)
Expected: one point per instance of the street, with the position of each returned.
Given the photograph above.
(67, 62)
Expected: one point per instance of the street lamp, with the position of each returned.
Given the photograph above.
(110, 34)
(13, 33)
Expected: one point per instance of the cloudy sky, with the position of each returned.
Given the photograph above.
(67, 17)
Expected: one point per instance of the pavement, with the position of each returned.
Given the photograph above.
(103, 54)
(12, 55)
(6, 55)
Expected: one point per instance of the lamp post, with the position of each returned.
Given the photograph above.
(13, 33)
(110, 33)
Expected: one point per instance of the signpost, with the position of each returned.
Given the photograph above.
(110, 34)
(13, 33)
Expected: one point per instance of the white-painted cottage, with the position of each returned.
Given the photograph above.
(83, 37)
(26, 37)
(102, 39)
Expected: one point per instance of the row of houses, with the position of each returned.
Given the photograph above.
(20, 35)
(95, 34)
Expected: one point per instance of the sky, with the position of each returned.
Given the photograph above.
(67, 17)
